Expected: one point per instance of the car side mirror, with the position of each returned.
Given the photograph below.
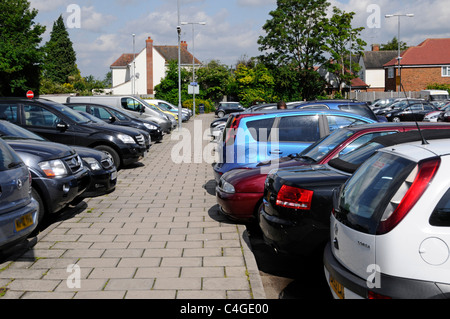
(142, 109)
(112, 119)
(62, 126)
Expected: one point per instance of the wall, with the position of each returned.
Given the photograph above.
(417, 79)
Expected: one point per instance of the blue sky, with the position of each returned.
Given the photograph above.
(232, 30)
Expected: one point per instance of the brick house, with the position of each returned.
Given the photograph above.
(425, 64)
(151, 66)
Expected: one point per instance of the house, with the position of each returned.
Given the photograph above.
(425, 64)
(332, 85)
(150, 65)
(372, 67)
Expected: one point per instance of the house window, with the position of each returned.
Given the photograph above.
(446, 71)
(390, 73)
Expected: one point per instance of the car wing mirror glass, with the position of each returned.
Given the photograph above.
(112, 119)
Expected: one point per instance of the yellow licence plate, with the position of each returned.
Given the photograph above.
(338, 288)
(24, 222)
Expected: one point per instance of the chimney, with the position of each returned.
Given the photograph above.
(149, 57)
(375, 47)
(184, 44)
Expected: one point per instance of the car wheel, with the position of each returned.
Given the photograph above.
(41, 208)
(396, 119)
(221, 114)
(111, 153)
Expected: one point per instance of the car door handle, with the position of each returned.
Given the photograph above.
(276, 152)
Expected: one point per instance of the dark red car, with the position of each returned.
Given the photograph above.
(239, 192)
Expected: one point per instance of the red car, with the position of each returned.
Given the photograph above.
(239, 192)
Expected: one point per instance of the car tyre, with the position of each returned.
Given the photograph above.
(221, 114)
(111, 153)
(396, 119)
(41, 208)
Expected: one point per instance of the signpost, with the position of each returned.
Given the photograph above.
(30, 94)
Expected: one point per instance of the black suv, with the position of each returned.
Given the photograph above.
(228, 107)
(58, 177)
(114, 116)
(59, 123)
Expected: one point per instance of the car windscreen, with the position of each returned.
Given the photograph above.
(362, 109)
(9, 129)
(8, 159)
(364, 198)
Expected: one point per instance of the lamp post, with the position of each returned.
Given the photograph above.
(387, 16)
(193, 59)
(179, 67)
(134, 67)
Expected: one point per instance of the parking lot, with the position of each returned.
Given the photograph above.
(158, 235)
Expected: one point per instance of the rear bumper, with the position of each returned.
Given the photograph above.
(238, 206)
(390, 286)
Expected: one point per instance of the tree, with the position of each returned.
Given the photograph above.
(213, 79)
(20, 56)
(60, 57)
(393, 45)
(295, 36)
(339, 38)
(168, 88)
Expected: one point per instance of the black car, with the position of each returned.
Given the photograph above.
(59, 123)
(115, 116)
(410, 112)
(225, 108)
(103, 173)
(295, 215)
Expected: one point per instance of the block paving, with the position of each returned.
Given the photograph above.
(159, 235)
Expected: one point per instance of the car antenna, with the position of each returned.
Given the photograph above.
(424, 141)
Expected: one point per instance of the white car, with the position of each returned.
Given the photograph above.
(390, 226)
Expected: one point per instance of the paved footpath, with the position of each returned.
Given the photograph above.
(158, 235)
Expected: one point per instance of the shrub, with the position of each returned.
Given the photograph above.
(208, 105)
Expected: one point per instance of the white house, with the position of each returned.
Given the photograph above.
(372, 67)
(150, 65)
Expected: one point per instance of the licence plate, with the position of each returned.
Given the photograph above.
(24, 222)
(113, 175)
(337, 287)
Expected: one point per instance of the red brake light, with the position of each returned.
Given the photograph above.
(374, 295)
(427, 170)
(293, 197)
(231, 130)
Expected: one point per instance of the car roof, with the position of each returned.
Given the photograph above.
(392, 125)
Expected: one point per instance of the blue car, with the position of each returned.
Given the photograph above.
(250, 139)
(352, 106)
(18, 209)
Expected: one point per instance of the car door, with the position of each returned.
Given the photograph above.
(45, 123)
(10, 112)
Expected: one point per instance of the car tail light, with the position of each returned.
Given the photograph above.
(293, 197)
(374, 295)
(426, 171)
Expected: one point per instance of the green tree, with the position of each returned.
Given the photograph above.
(340, 36)
(60, 57)
(20, 56)
(393, 45)
(168, 88)
(213, 79)
(295, 36)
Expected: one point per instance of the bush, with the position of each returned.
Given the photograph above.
(208, 105)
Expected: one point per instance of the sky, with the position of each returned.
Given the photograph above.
(102, 30)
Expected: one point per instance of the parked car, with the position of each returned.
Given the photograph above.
(410, 112)
(295, 215)
(361, 108)
(130, 104)
(34, 150)
(116, 116)
(434, 116)
(18, 209)
(228, 107)
(249, 139)
(167, 107)
(59, 123)
(397, 104)
(381, 103)
(390, 228)
(444, 116)
(240, 192)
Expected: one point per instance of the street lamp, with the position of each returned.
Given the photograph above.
(193, 59)
(133, 89)
(387, 16)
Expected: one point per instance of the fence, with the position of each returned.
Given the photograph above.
(372, 96)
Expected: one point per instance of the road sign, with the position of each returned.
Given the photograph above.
(193, 89)
(30, 94)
